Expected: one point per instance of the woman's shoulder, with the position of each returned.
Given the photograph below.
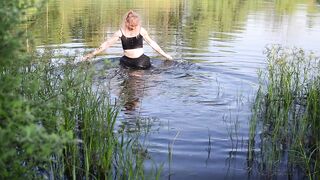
(143, 31)
(118, 33)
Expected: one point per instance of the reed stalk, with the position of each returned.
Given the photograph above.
(287, 108)
(97, 151)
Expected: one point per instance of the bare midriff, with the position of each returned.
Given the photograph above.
(133, 53)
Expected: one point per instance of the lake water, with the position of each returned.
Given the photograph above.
(195, 110)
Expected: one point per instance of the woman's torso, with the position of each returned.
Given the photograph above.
(132, 43)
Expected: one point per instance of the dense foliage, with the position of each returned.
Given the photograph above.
(26, 144)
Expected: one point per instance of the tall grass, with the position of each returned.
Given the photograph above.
(53, 125)
(287, 108)
(98, 150)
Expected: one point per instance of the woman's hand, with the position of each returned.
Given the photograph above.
(87, 57)
(168, 57)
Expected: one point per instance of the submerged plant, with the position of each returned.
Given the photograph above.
(287, 108)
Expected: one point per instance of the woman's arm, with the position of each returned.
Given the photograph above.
(153, 44)
(103, 46)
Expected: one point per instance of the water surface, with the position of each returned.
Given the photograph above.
(197, 108)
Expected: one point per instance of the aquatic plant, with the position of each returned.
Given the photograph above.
(170, 153)
(53, 124)
(97, 150)
(287, 108)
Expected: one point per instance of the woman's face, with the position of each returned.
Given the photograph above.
(132, 27)
(132, 24)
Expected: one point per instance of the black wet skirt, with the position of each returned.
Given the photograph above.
(142, 62)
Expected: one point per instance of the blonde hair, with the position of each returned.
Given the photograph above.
(131, 18)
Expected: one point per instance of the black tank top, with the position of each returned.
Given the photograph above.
(131, 42)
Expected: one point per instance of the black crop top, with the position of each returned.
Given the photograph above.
(131, 42)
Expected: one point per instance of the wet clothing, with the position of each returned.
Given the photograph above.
(142, 62)
(131, 42)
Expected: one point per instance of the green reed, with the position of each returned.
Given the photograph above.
(287, 109)
(53, 125)
(95, 149)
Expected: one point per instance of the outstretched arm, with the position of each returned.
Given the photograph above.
(103, 46)
(153, 44)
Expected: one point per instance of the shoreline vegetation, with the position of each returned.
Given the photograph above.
(287, 114)
(53, 125)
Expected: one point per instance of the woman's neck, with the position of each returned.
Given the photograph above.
(132, 33)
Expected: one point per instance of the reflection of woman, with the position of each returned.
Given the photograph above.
(131, 34)
(133, 90)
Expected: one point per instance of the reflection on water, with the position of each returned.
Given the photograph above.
(205, 95)
(133, 88)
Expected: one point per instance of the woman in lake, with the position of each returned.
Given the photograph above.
(132, 35)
